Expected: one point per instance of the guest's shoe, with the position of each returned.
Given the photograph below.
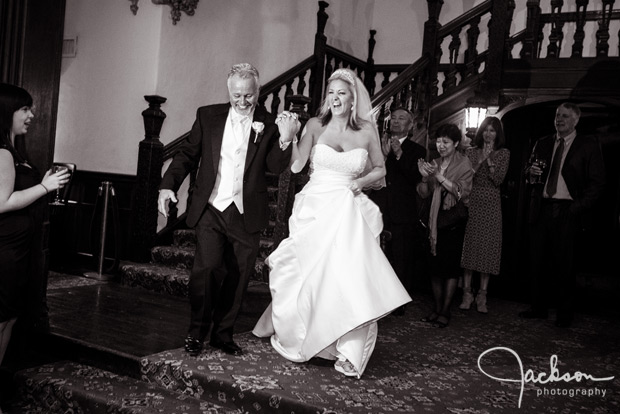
(229, 347)
(430, 318)
(468, 299)
(442, 321)
(192, 345)
(533, 314)
(481, 301)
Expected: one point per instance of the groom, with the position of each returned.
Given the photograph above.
(234, 144)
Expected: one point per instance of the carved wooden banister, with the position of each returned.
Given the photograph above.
(465, 18)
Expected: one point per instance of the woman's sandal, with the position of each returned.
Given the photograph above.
(442, 321)
(430, 318)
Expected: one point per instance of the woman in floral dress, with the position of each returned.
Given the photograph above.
(482, 247)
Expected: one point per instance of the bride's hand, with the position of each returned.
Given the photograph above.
(288, 125)
(355, 188)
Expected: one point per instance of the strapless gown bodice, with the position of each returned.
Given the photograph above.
(329, 280)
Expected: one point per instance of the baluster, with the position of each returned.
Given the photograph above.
(301, 83)
(582, 6)
(289, 88)
(555, 37)
(386, 79)
(530, 41)
(275, 101)
(369, 75)
(453, 48)
(434, 84)
(602, 34)
(472, 47)
(329, 68)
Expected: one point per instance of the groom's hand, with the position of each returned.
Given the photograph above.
(288, 125)
(165, 195)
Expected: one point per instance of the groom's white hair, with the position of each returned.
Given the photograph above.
(244, 71)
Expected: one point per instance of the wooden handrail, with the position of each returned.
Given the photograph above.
(398, 83)
(591, 16)
(172, 147)
(344, 56)
(280, 80)
(465, 18)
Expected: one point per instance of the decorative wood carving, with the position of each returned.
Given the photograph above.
(186, 6)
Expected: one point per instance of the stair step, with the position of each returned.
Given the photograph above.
(247, 382)
(66, 386)
(186, 238)
(183, 257)
(175, 282)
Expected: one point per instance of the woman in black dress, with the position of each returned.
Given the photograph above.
(20, 186)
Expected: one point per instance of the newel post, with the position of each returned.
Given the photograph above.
(150, 163)
(320, 44)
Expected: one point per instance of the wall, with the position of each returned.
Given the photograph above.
(101, 90)
(122, 57)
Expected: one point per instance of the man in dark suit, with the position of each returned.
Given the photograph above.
(397, 200)
(234, 143)
(559, 210)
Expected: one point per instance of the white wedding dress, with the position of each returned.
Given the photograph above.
(329, 280)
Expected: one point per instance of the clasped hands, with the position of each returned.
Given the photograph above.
(391, 144)
(288, 125)
(426, 168)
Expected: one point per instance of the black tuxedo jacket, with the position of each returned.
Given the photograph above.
(402, 176)
(583, 171)
(203, 146)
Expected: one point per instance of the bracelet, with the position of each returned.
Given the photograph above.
(46, 190)
(444, 180)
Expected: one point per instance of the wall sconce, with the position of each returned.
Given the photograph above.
(178, 6)
(474, 115)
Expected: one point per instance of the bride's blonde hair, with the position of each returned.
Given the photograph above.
(360, 111)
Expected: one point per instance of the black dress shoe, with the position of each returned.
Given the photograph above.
(230, 347)
(193, 346)
(533, 314)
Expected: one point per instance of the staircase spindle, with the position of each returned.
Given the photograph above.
(531, 41)
(472, 45)
(556, 35)
(602, 34)
(582, 6)
(301, 83)
(453, 50)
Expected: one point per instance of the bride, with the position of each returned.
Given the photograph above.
(330, 281)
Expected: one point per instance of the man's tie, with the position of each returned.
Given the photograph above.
(239, 127)
(552, 181)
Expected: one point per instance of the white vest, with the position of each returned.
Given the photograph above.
(229, 181)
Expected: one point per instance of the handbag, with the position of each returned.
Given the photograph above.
(452, 217)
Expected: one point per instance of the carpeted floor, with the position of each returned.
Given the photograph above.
(417, 368)
(480, 364)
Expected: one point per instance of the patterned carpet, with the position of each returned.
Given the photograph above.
(417, 368)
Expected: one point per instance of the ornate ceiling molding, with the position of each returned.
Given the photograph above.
(186, 6)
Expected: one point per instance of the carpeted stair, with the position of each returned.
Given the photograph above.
(169, 268)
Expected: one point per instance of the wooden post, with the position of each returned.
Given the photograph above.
(150, 163)
(501, 17)
(320, 42)
(369, 77)
(530, 43)
(431, 49)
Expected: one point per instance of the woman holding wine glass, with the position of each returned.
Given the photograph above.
(20, 186)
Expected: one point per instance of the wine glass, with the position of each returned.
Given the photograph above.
(56, 168)
(542, 164)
